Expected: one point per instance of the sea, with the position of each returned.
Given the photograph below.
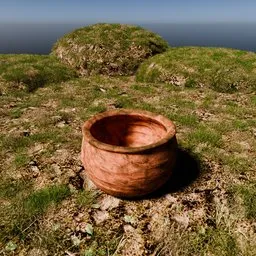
(40, 38)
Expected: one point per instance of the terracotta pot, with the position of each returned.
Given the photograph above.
(128, 153)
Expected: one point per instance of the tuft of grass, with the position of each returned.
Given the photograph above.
(21, 159)
(248, 194)
(87, 197)
(223, 70)
(16, 113)
(33, 71)
(39, 201)
(190, 120)
(205, 135)
(110, 49)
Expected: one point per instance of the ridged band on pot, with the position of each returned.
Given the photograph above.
(128, 153)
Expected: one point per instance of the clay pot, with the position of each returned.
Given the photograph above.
(128, 153)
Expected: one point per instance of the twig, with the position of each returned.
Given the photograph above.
(119, 245)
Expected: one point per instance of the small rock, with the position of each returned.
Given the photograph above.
(88, 184)
(33, 163)
(80, 215)
(68, 230)
(56, 118)
(100, 216)
(35, 170)
(128, 229)
(245, 145)
(109, 203)
(171, 198)
(72, 188)
(182, 219)
(83, 227)
(78, 169)
(61, 124)
(77, 219)
(102, 90)
(56, 169)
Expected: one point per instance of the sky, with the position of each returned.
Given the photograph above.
(132, 11)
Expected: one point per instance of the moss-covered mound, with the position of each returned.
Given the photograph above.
(224, 70)
(110, 49)
(33, 71)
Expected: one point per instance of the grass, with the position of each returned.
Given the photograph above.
(110, 49)
(248, 195)
(20, 217)
(206, 241)
(47, 212)
(87, 198)
(224, 70)
(205, 135)
(33, 71)
(39, 201)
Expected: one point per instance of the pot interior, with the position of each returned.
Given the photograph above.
(128, 130)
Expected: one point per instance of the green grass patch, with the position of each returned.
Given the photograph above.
(223, 70)
(21, 159)
(16, 113)
(33, 71)
(240, 125)
(21, 216)
(39, 201)
(19, 143)
(189, 120)
(205, 135)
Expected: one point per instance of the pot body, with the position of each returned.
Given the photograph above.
(127, 173)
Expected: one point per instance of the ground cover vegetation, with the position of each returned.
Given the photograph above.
(49, 207)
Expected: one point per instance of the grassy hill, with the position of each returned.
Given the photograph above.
(224, 70)
(209, 206)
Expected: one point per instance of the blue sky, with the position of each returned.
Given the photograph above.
(132, 11)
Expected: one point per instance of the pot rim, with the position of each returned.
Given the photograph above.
(168, 124)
